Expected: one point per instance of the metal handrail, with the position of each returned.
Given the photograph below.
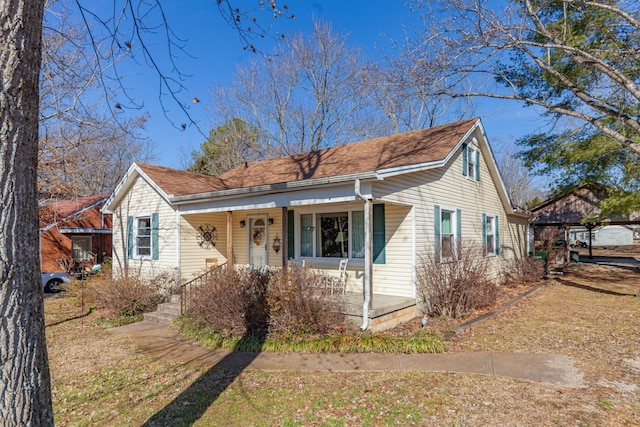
(185, 289)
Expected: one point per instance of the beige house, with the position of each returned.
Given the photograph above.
(379, 203)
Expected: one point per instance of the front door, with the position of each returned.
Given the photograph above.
(258, 240)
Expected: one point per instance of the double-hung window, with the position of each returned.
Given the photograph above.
(81, 248)
(143, 236)
(447, 227)
(490, 234)
(471, 162)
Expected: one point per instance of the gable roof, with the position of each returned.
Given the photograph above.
(370, 159)
(372, 155)
(60, 210)
(378, 154)
(571, 207)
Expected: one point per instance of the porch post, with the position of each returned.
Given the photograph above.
(230, 239)
(368, 248)
(285, 237)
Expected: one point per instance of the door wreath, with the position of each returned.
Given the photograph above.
(258, 236)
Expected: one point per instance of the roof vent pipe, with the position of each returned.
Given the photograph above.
(367, 257)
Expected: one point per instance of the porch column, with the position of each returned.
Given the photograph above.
(285, 237)
(230, 239)
(368, 248)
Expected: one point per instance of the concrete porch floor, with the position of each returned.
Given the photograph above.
(386, 312)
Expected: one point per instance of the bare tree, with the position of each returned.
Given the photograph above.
(311, 93)
(572, 58)
(516, 176)
(409, 94)
(82, 151)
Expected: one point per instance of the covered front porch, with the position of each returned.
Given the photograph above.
(375, 238)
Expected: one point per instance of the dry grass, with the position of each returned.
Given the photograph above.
(589, 314)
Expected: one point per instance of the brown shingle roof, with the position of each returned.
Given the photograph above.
(180, 183)
(403, 149)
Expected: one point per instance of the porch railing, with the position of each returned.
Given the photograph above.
(186, 290)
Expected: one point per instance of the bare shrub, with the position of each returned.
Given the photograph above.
(233, 302)
(124, 297)
(456, 287)
(257, 302)
(519, 271)
(300, 303)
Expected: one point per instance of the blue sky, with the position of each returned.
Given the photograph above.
(216, 51)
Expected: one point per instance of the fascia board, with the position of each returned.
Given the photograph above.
(272, 188)
(419, 167)
(78, 212)
(125, 183)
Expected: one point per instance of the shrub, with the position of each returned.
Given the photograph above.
(518, 271)
(255, 303)
(455, 288)
(124, 297)
(300, 303)
(232, 302)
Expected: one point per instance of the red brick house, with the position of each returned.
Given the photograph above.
(74, 231)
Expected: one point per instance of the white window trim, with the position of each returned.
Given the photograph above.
(454, 229)
(324, 210)
(493, 228)
(471, 162)
(136, 218)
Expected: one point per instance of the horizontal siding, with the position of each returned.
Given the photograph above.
(142, 199)
(193, 257)
(395, 276)
(448, 187)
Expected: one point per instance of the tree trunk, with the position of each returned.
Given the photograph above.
(25, 394)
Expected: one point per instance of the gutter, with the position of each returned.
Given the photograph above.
(270, 188)
(367, 258)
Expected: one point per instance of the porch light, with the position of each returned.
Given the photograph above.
(270, 221)
(276, 244)
(243, 223)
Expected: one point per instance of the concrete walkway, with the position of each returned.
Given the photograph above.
(161, 341)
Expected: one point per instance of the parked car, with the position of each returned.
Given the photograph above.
(51, 281)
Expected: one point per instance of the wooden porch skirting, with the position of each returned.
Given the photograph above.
(387, 311)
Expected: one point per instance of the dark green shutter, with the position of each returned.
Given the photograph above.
(496, 233)
(155, 226)
(464, 159)
(379, 238)
(458, 241)
(477, 165)
(484, 234)
(436, 231)
(291, 244)
(129, 237)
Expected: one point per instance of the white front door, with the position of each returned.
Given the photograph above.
(258, 240)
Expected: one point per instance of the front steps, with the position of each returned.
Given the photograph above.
(166, 312)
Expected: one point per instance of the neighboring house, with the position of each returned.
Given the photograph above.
(379, 203)
(565, 214)
(604, 236)
(74, 231)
